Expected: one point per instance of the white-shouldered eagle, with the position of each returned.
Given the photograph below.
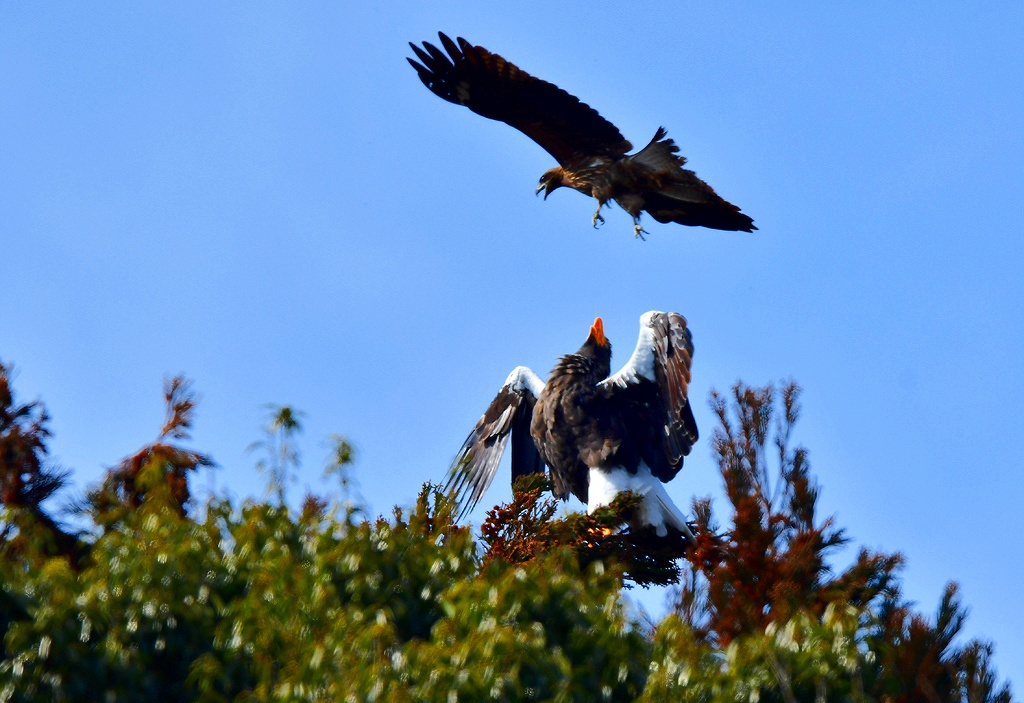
(598, 434)
(591, 152)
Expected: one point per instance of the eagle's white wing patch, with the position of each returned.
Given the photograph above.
(641, 363)
(473, 469)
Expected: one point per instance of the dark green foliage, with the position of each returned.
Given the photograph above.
(27, 479)
(129, 624)
(256, 602)
(545, 630)
(919, 660)
(256, 605)
(806, 658)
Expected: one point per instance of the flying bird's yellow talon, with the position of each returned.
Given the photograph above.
(598, 220)
(640, 231)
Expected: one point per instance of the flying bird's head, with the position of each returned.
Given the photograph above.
(553, 178)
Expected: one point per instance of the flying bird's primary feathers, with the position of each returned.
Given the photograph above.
(590, 151)
(600, 435)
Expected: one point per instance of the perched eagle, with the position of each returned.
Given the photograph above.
(600, 435)
(590, 150)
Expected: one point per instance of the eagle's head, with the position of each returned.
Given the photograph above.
(553, 178)
(597, 334)
(598, 349)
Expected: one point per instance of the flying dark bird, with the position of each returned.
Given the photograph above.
(599, 435)
(591, 152)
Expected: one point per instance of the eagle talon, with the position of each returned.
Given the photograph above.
(597, 218)
(640, 231)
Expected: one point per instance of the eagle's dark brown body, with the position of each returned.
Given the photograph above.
(579, 423)
(592, 154)
(654, 181)
(570, 425)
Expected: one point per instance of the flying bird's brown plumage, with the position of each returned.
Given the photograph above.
(590, 150)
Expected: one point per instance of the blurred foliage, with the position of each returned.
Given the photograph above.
(169, 601)
(339, 466)
(28, 534)
(158, 469)
(280, 458)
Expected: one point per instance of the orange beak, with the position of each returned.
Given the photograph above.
(597, 332)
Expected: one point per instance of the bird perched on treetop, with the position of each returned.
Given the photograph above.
(600, 435)
(591, 152)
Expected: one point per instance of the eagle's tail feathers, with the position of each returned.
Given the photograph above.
(659, 500)
(695, 204)
(657, 509)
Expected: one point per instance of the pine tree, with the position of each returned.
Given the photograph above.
(27, 479)
(158, 471)
(255, 601)
(774, 559)
(770, 571)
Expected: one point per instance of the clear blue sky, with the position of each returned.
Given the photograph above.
(263, 196)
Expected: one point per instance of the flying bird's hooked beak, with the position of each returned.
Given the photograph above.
(597, 333)
(549, 182)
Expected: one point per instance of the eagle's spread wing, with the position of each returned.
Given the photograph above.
(491, 86)
(477, 461)
(656, 381)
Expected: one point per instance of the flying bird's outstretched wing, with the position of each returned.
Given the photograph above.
(655, 383)
(477, 461)
(491, 86)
